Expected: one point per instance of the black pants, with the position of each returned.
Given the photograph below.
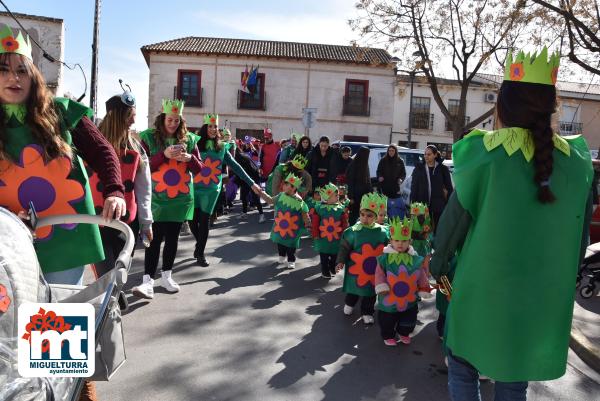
(327, 263)
(367, 305)
(287, 251)
(402, 323)
(199, 227)
(247, 195)
(169, 232)
(113, 242)
(440, 324)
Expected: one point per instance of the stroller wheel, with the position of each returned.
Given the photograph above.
(578, 283)
(587, 291)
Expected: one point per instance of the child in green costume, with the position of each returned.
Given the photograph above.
(329, 221)
(359, 248)
(421, 231)
(399, 281)
(291, 214)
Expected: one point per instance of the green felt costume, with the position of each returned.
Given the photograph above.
(59, 186)
(330, 227)
(513, 290)
(207, 183)
(364, 245)
(289, 224)
(172, 194)
(421, 230)
(403, 273)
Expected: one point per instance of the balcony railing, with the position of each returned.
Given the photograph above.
(195, 101)
(570, 128)
(250, 102)
(449, 124)
(353, 106)
(422, 121)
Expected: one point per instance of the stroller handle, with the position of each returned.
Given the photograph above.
(124, 259)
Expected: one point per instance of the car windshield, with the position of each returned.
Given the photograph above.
(411, 159)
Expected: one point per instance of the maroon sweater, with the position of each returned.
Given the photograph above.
(100, 155)
(195, 164)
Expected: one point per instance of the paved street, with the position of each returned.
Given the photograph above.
(247, 329)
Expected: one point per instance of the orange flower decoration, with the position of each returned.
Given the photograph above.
(405, 231)
(330, 229)
(213, 120)
(209, 173)
(45, 184)
(4, 299)
(372, 206)
(403, 289)
(175, 110)
(517, 71)
(426, 228)
(415, 211)
(172, 177)
(286, 224)
(554, 75)
(365, 264)
(10, 44)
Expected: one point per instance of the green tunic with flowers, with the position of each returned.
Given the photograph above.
(366, 244)
(208, 182)
(58, 186)
(330, 227)
(172, 194)
(513, 291)
(403, 273)
(289, 224)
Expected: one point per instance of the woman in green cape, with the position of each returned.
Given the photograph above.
(520, 210)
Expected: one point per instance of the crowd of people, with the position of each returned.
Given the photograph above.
(519, 178)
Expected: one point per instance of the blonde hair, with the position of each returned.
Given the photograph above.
(115, 129)
(43, 117)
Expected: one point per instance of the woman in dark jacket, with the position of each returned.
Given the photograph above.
(431, 183)
(303, 148)
(391, 173)
(246, 194)
(359, 181)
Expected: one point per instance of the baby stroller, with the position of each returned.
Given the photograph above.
(590, 268)
(22, 282)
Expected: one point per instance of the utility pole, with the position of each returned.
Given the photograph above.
(94, 83)
(410, 109)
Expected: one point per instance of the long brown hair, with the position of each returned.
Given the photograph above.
(161, 134)
(531, 106)
(115, 129)
(42, 117)
(204, 137)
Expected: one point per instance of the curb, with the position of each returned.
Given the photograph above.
(584, 348)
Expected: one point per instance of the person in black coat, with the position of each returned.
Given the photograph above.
(359, 181)
(391, 173)
(321, 163)
(246, 193)
(431, 184)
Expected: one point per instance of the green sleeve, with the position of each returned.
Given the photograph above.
(237, 169)
(450, 235)
(72, 112)
(304, 207)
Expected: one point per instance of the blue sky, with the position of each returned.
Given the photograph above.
(126, 25)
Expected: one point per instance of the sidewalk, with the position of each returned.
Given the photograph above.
(585, 330)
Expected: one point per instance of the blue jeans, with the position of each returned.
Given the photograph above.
(72, 276)
(463, 384)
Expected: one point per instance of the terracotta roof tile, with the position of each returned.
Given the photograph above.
(270, 49)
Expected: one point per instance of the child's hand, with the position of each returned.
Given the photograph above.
(339, 267)
(384, 293)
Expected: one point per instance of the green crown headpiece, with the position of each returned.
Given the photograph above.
(401, 230)
(173, 106)
(370, 201)
(211, 119)
(19, 45)
(327, 191)
(293, 180)
(295, 136)
(226, 132)
(422, 219)
(299, 162)
(533, 68)
(382, 202)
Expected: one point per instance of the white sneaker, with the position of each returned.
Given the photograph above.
(291, 265)
(348, 310)
(168, 283)
(146, 289)
(282, 260)
(368, 319)
(261, 218)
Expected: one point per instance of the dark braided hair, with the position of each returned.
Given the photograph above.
(531, 106)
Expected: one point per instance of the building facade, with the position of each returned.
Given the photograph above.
(49, 33)
(349, 89)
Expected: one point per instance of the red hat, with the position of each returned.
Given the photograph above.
(267, 131)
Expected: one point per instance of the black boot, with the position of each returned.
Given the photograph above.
(201, 260)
